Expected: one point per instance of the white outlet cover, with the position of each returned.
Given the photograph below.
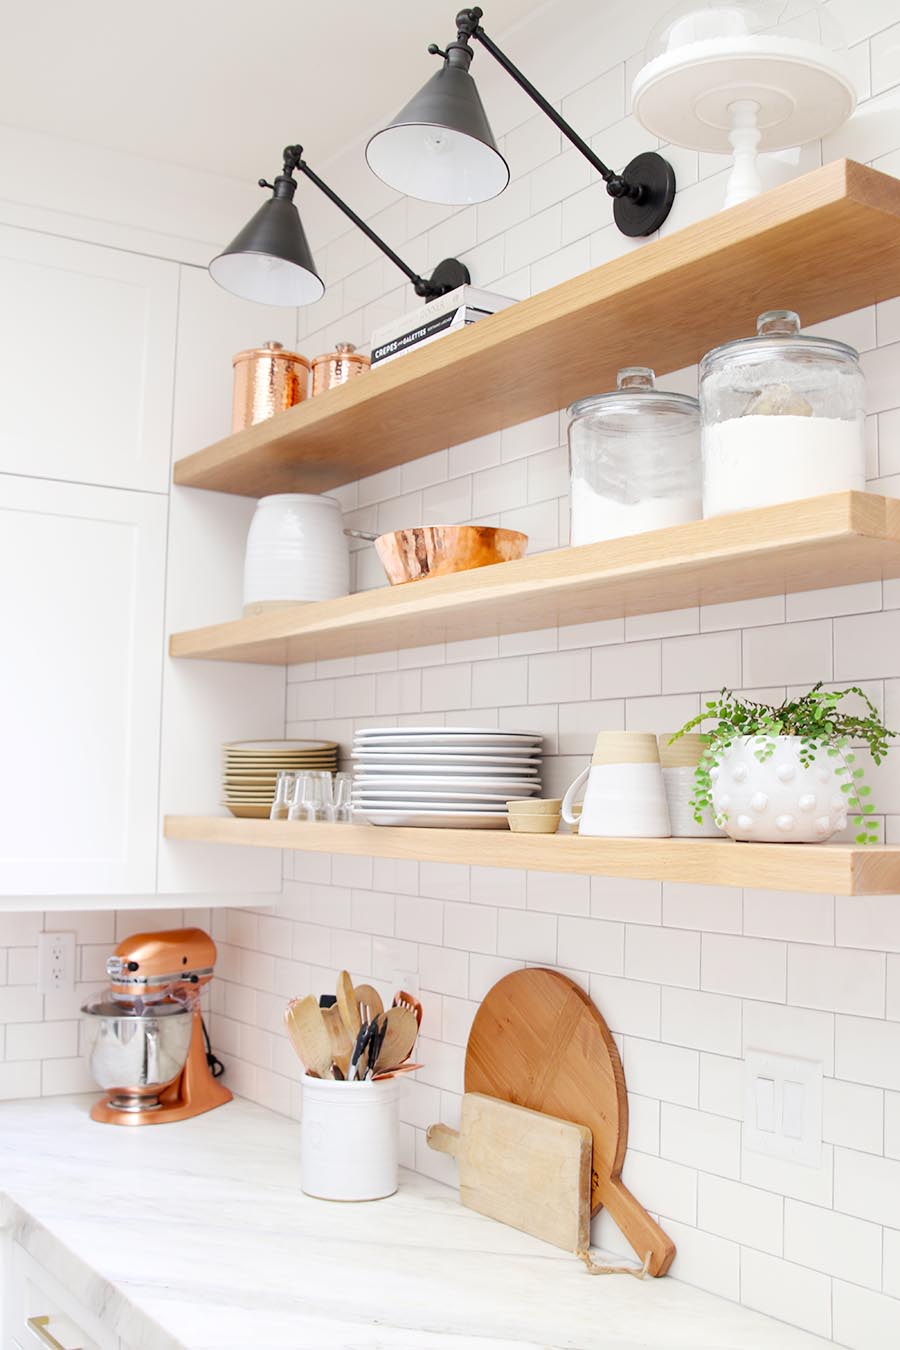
(56, 963)
(796, 1121)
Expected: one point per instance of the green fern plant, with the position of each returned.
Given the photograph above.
(820, 724)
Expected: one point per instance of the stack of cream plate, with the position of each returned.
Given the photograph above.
(451, 777)
(250, 768)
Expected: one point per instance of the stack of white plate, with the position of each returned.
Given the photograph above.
(454, 777)
(250, 768)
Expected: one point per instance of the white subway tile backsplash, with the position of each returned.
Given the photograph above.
(796, 653)
(748, 967)
(701, 1021)
(752, 1217)
(797, 916)
(714, 909)
(833, 1243)
(789, 1292)
(867, 1051)
(705, 1261)
(472, 928)
(626, 671)
(709, 1143)
(867, 1187)
(836, 978)
(866, 646)
(691, 662)
(626, 899)
(590, 944)
(498, 683)
(667, 1072)
(722, 1085)
(527, 935)
(862, 1319)
(662, 954)
(559, 677)
(628, 1007)
(853, 1115)
(667, 1188)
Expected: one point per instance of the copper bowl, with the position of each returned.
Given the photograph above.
(435, 550)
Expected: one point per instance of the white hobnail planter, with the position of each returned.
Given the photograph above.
(778, 801)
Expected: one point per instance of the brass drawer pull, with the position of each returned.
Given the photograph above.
(39, 1326)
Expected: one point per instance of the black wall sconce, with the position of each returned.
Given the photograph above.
(270, 261)
(440, 147)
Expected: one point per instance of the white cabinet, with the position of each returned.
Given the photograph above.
(87, 354)
(81, 597)
(39, 1311)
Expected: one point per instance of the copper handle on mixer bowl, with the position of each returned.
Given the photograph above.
(39, 1326)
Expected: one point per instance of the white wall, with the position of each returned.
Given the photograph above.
(688, 976)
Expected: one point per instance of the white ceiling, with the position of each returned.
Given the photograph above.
(223, 85)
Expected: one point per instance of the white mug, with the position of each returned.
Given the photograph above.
(626, 796)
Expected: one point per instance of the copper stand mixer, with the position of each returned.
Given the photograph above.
(146, 1041)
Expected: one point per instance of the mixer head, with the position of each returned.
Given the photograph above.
(154, 966)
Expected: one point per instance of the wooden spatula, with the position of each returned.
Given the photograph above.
(341, 1044)
(309, 1035)
(523, 1168)
(401, 1030)
(347, 1004)
(368, 997)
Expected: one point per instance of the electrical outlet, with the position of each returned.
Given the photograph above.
(56, 963)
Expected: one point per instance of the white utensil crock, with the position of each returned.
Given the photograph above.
(625, 796)
(778, 801)
(349, 1139)
(679, 763)
(296, 551)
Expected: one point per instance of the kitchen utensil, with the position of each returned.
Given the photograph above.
(267, 380)
(296, 552)
(538, 1041)
(534, 824)
(366, 995)
(679, 760)
(349, 1138)
(401, 1068)
(358, 1060)
(634, 457)
(309, 1034)
(347, 1005)
(404, 1000)
(399, 1027)
(341, 1041)
(783, 417)
(337, 367)
(521, 1167)
(625, 796)
(144, 1036)
(436, 550)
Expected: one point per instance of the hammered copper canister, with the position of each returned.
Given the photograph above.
(337, 367)
(267, 380)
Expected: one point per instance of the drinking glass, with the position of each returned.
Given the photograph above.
(284, 790)
(343, 785)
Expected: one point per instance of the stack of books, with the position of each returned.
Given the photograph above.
(447, 314)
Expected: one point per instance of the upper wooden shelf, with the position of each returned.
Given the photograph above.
(836, 869)
(826, 541)
(824, 244)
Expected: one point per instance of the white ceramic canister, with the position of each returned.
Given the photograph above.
(778, 800)
(349, 1139)
(679, 762)
(625, 796)
(296, 551)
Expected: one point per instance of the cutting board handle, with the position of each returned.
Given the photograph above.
(643, 1232)
(442, 1139)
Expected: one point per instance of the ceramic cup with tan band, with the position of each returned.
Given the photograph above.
(625, 795)
(679, 762)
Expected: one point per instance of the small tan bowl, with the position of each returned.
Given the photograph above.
(534, 823)
(435, 550)
(529, 806)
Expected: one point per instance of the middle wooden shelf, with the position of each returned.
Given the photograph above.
(835, 540)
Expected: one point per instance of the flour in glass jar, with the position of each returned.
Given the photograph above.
(762, 460)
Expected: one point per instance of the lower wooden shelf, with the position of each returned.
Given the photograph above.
(836, 869)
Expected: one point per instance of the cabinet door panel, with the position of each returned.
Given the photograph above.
(87, 343)
(81, 594)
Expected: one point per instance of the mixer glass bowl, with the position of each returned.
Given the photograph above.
(136, 1050)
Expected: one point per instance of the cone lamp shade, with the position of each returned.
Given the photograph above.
(440, 148)
(270, 261)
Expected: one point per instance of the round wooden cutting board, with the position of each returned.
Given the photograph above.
(538, 1041)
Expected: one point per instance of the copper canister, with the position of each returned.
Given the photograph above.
(337, 367)
(267, 380)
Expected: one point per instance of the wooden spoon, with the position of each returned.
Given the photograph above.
(341, 1042)
(366, 996)
(309, 1035)
(399, 1038)
(347, 1005)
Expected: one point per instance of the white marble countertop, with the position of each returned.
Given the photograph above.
(196, 1235)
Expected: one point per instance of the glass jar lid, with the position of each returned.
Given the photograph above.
(777, 333)
(635, 392)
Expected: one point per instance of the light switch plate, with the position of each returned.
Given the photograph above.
(783, 1107)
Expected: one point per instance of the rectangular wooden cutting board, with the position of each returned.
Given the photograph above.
(523, 1168)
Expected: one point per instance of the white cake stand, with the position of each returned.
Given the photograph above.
(744, 94)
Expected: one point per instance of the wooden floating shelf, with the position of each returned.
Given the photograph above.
(834, 540)
(824, 244)
(835, 869)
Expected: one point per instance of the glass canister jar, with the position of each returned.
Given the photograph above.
(634, 458)
(781, 418)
